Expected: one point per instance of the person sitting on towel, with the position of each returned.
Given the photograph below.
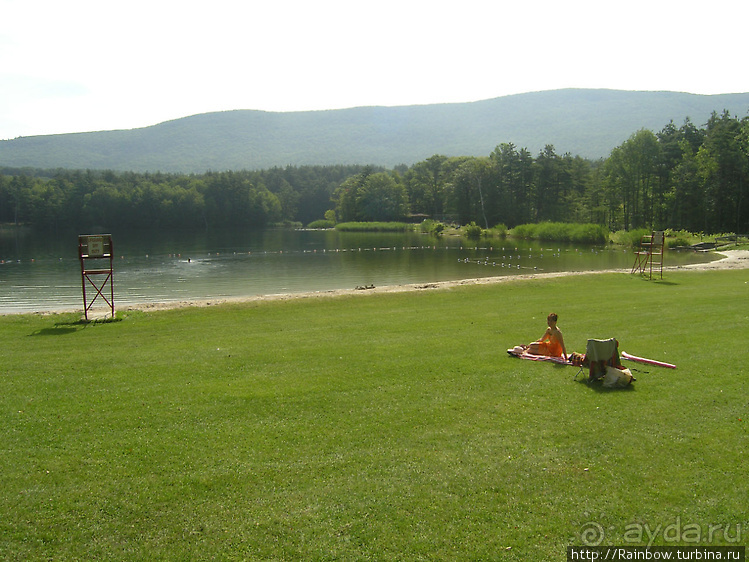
(551, 343)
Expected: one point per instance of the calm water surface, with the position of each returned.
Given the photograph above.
(43, 273)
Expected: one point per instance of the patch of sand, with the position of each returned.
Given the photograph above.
(734, 259)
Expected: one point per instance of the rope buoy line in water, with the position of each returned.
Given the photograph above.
(508, 254)
(555, 253)
(495, 264)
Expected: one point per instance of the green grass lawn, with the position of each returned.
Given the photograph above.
(378, 426)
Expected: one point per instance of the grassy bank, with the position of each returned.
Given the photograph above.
(563, 232)
(376, 426)
(374, 226)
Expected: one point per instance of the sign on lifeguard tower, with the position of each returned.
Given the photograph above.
(96, 255)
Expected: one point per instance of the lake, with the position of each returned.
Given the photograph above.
(42, 273)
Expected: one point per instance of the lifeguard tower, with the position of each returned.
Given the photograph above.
(96, 254)
(650, 254)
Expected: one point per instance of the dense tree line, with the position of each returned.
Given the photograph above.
(80, 199)
(685, 177)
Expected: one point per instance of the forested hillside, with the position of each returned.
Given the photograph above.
(683, 176)
(586, 123)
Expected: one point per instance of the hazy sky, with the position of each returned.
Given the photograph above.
(86, 65)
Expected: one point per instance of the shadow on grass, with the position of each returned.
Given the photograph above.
(64, 328)
(582, 377)
(656, 281)
(597, 386)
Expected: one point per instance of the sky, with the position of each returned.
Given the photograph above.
(92, 65)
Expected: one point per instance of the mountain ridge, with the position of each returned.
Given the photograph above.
(582, 122)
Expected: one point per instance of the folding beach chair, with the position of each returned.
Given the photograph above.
(599, 354)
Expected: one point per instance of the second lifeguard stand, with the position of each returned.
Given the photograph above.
(650, 254)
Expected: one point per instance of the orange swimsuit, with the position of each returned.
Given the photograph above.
(551, 346)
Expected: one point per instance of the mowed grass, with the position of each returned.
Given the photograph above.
(377, 426)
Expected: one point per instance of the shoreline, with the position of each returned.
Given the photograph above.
(733, 259)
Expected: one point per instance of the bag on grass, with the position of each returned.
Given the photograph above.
(617, 378)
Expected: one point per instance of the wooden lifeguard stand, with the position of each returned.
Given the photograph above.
(96, 252)
(650, 254)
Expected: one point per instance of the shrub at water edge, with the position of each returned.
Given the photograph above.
(562, 232)
(374, 227)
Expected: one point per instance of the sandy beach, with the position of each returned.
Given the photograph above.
(732, 259)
